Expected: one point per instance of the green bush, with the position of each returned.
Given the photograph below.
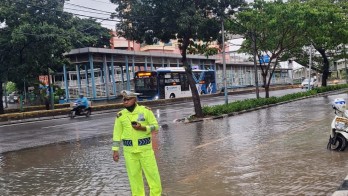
(247, 104)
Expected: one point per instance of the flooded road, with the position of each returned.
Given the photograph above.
(280, 150)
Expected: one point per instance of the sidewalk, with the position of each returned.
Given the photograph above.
(343, 189)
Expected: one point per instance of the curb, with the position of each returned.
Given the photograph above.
(44, 118)
(343, 189)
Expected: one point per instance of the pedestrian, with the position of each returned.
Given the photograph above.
(133, 128)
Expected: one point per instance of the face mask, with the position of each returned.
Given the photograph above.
(131, 108)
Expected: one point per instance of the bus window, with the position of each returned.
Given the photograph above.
(146, 84)
(196, 75)
(209, 77)
(172, 79)
(184, 82)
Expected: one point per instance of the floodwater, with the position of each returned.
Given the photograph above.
(276, 151)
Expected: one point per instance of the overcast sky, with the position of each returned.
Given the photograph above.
(100, 9)
(95, 8)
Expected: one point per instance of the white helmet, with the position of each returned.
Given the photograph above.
(339, 104)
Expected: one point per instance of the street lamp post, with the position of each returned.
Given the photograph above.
(255, 67)
(345, 63)
(224, 61)
(310, 67)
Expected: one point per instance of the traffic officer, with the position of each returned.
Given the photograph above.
(132, 129)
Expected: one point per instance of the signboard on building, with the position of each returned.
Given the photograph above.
(44, 79)
(264, 59)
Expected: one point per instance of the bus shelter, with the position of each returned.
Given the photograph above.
(100, 73)
(242, 74)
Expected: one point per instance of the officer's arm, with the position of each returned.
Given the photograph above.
(153, 124)
(117, 134)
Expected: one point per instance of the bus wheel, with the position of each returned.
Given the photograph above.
(172, 96)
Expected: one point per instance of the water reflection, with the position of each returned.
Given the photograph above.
(274, 151)
(69, 169)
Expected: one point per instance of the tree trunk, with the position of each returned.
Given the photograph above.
(2, 111)
(270, 75)
(326, 66)
(188, 70)
(265, 85)
(267, 91)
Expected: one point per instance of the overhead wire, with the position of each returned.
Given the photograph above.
(86, 16)
(67, 8)
(48, 35)
(87, 7)
(109, 3)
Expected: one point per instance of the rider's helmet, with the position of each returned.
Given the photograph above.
(339, 104)
(81, 96)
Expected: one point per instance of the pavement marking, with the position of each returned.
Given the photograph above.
(343, 189)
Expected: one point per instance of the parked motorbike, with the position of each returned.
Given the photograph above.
(339, 126)
(76, 111)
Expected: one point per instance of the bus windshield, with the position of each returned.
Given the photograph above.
(145, 84)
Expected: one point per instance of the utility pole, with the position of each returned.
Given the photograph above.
(50, 84)
(224, 60)
(255, 66)
(345, 63)
(310, 67)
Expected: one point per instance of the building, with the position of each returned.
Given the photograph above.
(113, 69)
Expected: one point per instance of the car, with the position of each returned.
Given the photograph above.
(313, 83)
(13, 98)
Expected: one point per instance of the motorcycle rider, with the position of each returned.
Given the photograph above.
(82, 103)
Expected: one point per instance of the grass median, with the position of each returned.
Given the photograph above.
(247, 104)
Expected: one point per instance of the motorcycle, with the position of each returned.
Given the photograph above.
(77, 111)
(339, 126)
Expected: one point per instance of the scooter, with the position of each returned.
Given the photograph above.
(339, 126)
(76, 111)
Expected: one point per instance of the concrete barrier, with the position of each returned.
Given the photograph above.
(343, 189)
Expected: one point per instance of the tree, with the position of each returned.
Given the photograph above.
(270, 28)
(35, 36)
(187, 21)
(89, 33)
(326, 24)
(10, 87)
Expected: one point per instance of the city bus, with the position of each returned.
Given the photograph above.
(172, 82)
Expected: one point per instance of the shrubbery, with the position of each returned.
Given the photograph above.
(247, 104)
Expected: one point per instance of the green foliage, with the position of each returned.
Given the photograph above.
(190, 22)
(36, 34)
(247, 104)
(56, 99)
(89, 33)
(10, 87)
(187, 21)
(58, 91)
(273, 28)
(283, 29)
